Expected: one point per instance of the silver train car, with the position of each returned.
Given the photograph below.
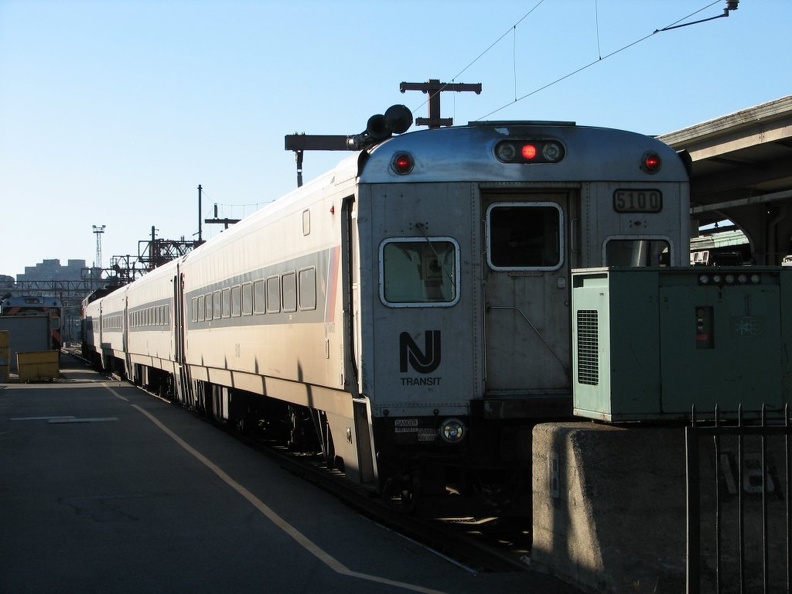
(408, 312)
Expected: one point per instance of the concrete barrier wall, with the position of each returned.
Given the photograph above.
(609, 506)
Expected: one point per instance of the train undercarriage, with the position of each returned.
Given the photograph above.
(436, 483)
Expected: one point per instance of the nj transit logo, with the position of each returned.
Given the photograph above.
(422, 361)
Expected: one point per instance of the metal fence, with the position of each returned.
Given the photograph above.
(738, 502)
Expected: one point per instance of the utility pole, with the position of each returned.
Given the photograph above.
(200, 237)
(434, 87)
(218, 221)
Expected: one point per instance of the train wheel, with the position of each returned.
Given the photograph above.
(302, 434)
(402, 492)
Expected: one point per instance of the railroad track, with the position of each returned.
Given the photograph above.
(480, 544)
(483, 545)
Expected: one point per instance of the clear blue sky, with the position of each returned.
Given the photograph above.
(113, 111)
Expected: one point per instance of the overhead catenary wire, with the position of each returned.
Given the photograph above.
(222, 206)
(482, 54)
(600, 58)
(596, 22)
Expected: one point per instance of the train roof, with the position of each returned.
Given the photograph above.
(467, 153)
(31, 301)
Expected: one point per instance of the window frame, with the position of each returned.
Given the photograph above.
(273, 303)
(420, 239)
(306, 277)
(633, 238)
(543, 204)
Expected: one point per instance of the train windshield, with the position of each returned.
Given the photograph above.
(524, 236)
(419, 272)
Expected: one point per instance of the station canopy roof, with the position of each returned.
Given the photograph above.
(739, 160)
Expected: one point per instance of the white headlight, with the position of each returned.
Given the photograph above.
(452, 430)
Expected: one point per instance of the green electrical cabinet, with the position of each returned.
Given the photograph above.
(651, 343)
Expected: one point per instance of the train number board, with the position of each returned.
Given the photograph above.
(637, 201)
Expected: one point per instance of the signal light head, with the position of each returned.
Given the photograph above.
(651, 163)
(529, 151)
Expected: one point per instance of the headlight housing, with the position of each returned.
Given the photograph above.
(452, 430)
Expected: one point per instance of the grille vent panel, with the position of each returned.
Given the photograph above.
(588, 346)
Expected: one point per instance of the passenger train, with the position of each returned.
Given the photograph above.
(408, 312)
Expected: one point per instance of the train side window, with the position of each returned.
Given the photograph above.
(419, 272)
(227, 302)
(273, 294)
(194, 312)
(289, 292)
(637, 252)
(201, 305)
(259, 297)
(524, 235)
(209, 306)
(217, 305)
(307, 287)
(247, 299)
(236, 301)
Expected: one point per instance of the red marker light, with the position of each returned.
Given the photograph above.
(651, 163)
(403, 163)
(528, 151)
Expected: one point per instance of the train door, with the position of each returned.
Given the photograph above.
(180, 383)
(130, 371)
(98, 323)
(527, 344)
(356, 448)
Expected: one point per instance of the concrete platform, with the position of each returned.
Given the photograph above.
(106, 489)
